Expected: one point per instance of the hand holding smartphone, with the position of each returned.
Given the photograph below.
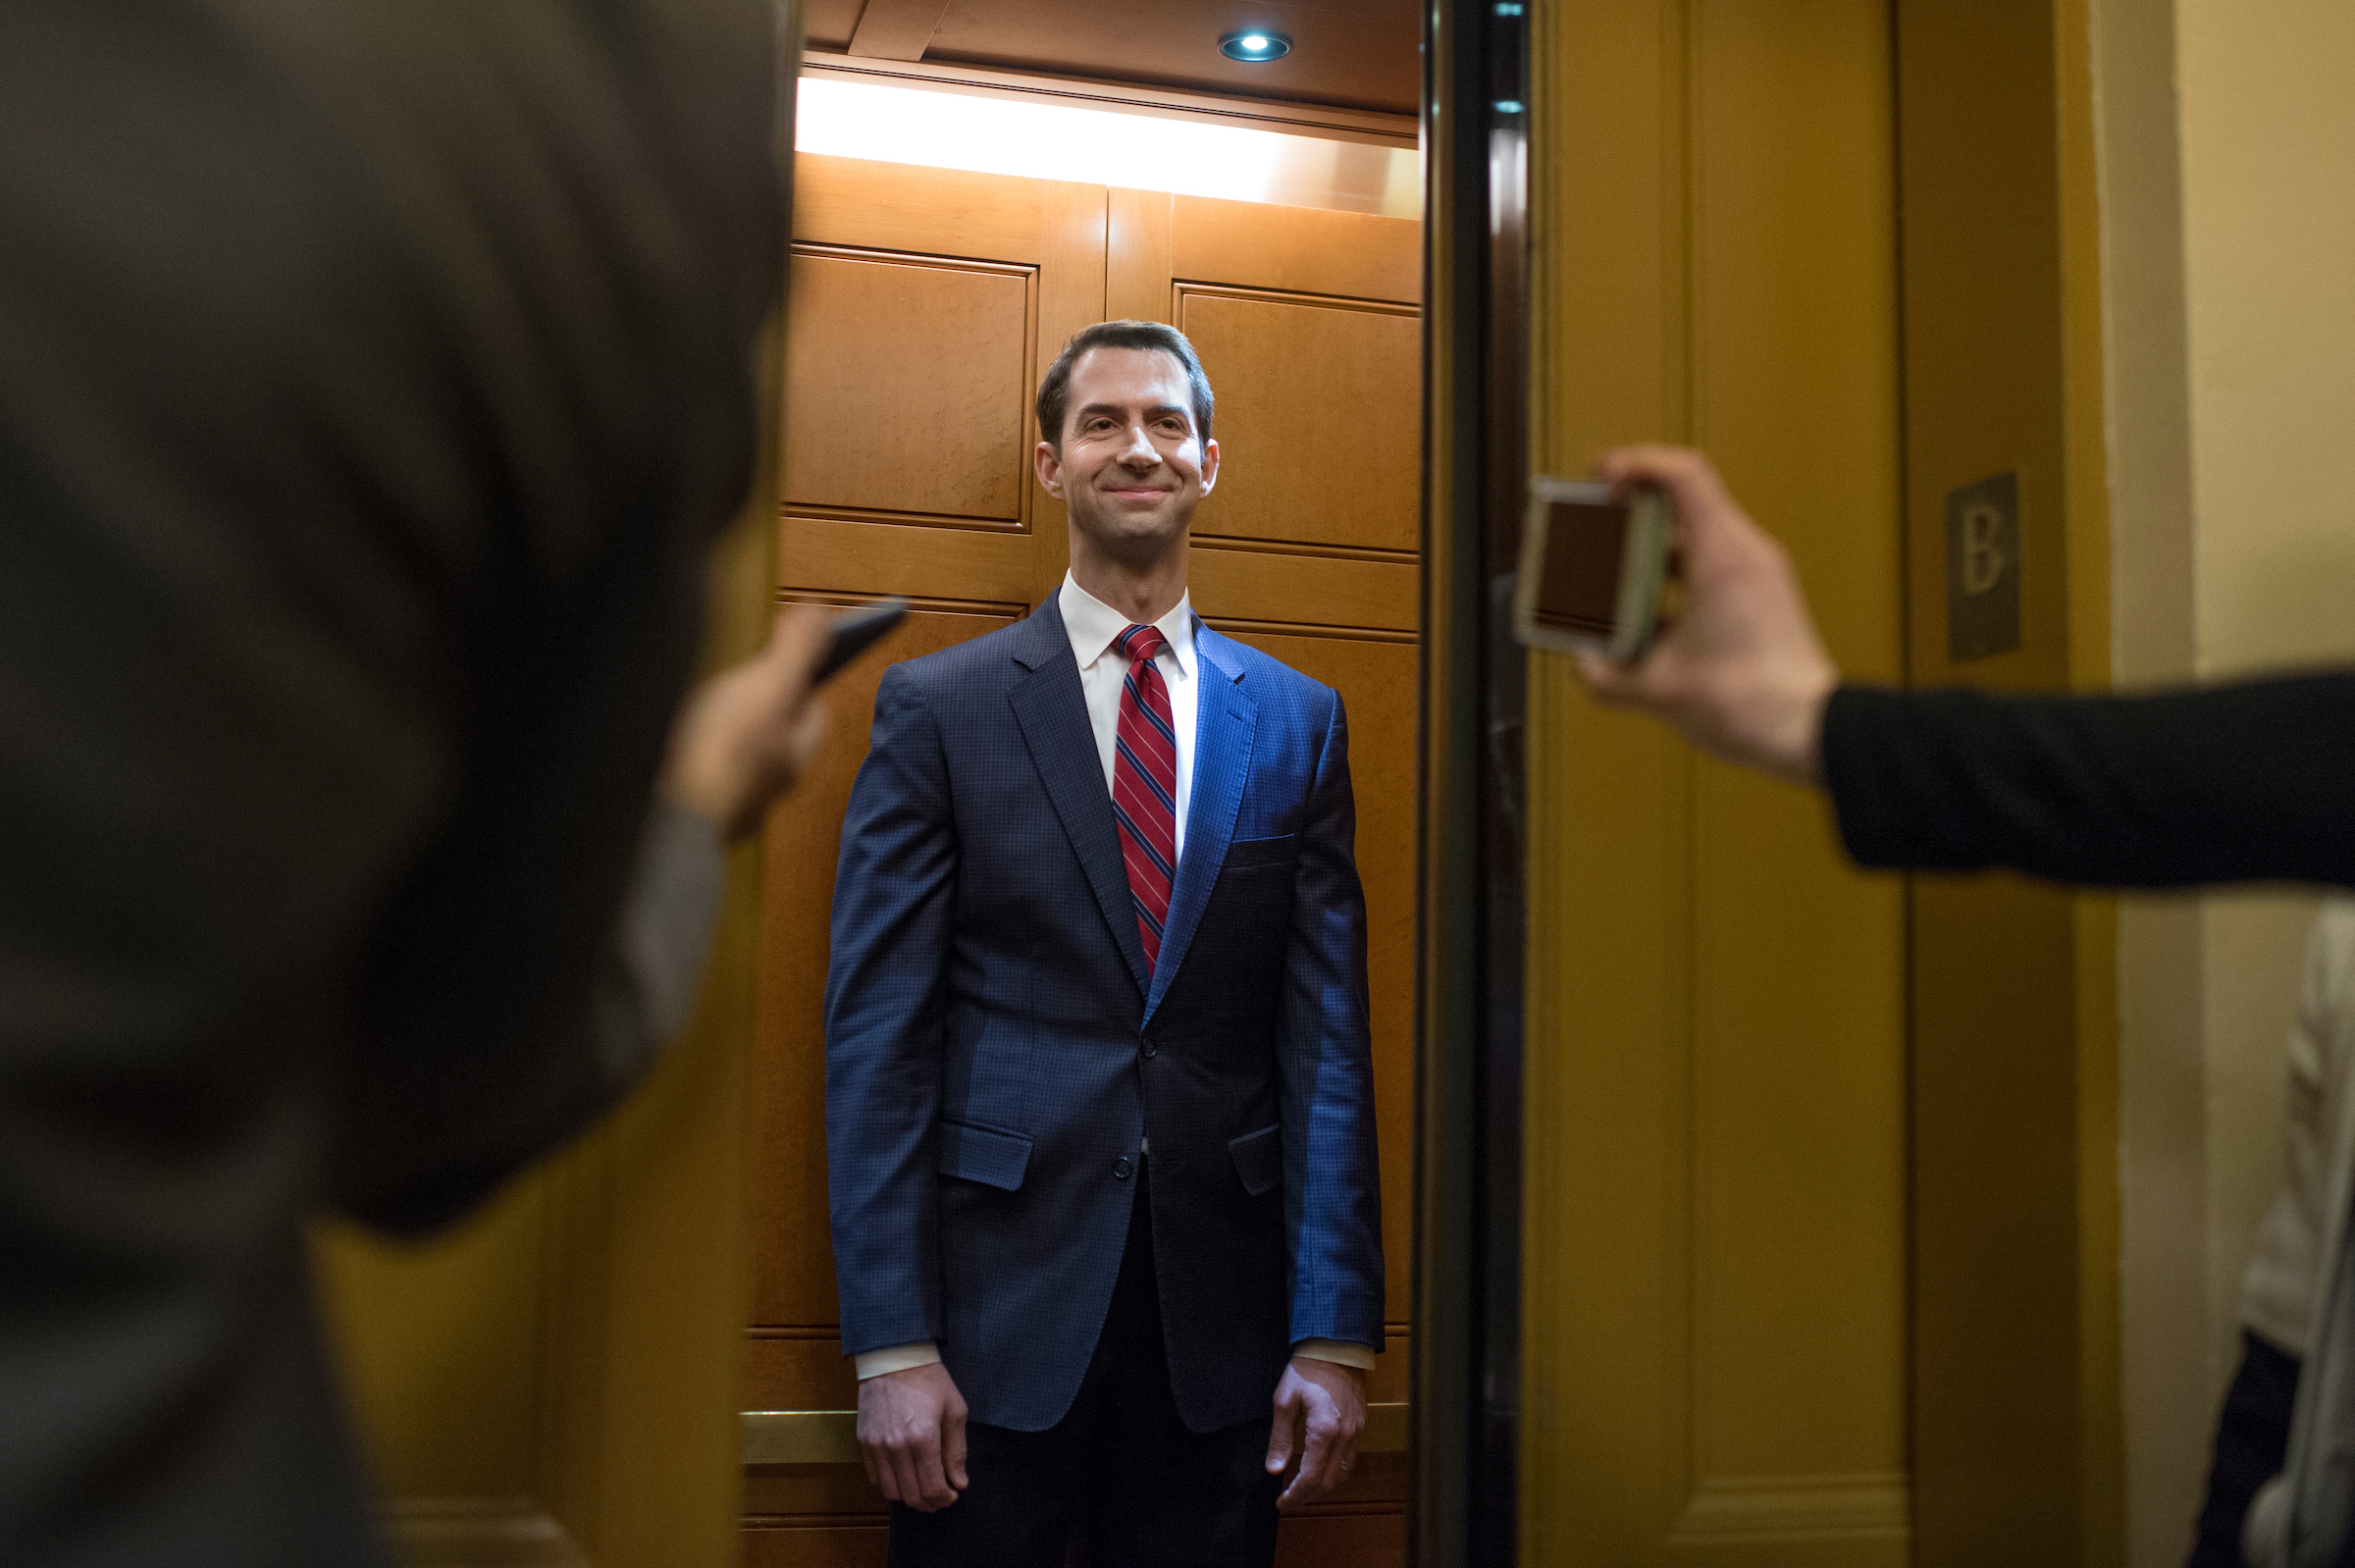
(1594, 567)
(852, 632)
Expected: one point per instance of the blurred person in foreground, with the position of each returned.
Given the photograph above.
(2300, 1248)
(373, 381)
(2233, 783)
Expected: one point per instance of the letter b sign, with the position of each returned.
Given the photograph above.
(1982, 568)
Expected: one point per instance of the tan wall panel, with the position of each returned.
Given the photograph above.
(864, 433)
(1319, 418)
(1138, 259)
(1253, 246)
(1280, 589)
(849, 201)
(919, 561)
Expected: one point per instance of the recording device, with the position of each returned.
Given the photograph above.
(855, 631)
(1594, 565)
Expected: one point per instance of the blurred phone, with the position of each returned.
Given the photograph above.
(1593, 567)
(855, 631)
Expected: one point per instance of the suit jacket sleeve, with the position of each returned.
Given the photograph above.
(1332, 1198)
(2232, 784)
(886, 995)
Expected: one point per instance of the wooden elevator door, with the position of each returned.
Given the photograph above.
(926, 304)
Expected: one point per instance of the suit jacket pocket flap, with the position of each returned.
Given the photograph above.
(1259, 1160)
(983, 1154)
(1245, 852)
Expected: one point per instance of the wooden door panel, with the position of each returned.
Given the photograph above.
(926, 304)
(1319, 417)
(944, 447)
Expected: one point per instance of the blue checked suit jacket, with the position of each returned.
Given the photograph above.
(995, 1044)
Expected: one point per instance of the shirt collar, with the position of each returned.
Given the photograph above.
(1092, 625)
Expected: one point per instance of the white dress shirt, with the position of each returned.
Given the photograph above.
(1092, 625)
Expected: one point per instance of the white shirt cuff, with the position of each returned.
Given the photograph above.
(899, 1358)
(1337, 1351)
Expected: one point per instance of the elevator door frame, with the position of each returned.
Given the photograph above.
(1472, 854)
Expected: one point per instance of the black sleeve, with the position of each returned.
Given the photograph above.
(2232, 784)
(2251, 1437)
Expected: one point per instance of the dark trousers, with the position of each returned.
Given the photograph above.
(1120, 1470)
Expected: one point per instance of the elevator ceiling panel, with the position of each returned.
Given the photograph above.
(1363, 53)
(828, 23)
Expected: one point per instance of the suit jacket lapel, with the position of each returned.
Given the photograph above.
(1052, 712)
(1226, 722)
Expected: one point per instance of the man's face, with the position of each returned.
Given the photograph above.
(1132, 465)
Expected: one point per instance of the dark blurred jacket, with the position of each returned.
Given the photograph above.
(372, 382)
(2244, 783)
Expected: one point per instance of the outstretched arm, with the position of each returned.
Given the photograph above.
(741, 741)
(2237, 783)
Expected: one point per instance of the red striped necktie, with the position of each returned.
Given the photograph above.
(1144, 785)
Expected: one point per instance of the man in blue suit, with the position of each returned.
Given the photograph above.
(1099, 1103)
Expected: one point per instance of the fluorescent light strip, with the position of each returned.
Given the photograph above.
(1012, 136)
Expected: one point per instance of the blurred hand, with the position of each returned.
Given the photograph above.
(1329, 1400)
(911, 1435)
(1741, 674)
(745, 736)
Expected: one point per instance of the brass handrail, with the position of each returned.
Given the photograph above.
(831, 1436)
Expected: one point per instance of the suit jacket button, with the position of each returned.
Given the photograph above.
(1149, 1048)
(1121, 1168)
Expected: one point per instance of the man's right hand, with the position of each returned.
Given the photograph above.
(911, 1435)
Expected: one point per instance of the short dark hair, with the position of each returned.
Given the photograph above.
(1055, 391)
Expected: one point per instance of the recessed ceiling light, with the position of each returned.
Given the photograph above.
(1255, 46)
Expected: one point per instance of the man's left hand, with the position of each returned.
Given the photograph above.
(1329, 1399)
